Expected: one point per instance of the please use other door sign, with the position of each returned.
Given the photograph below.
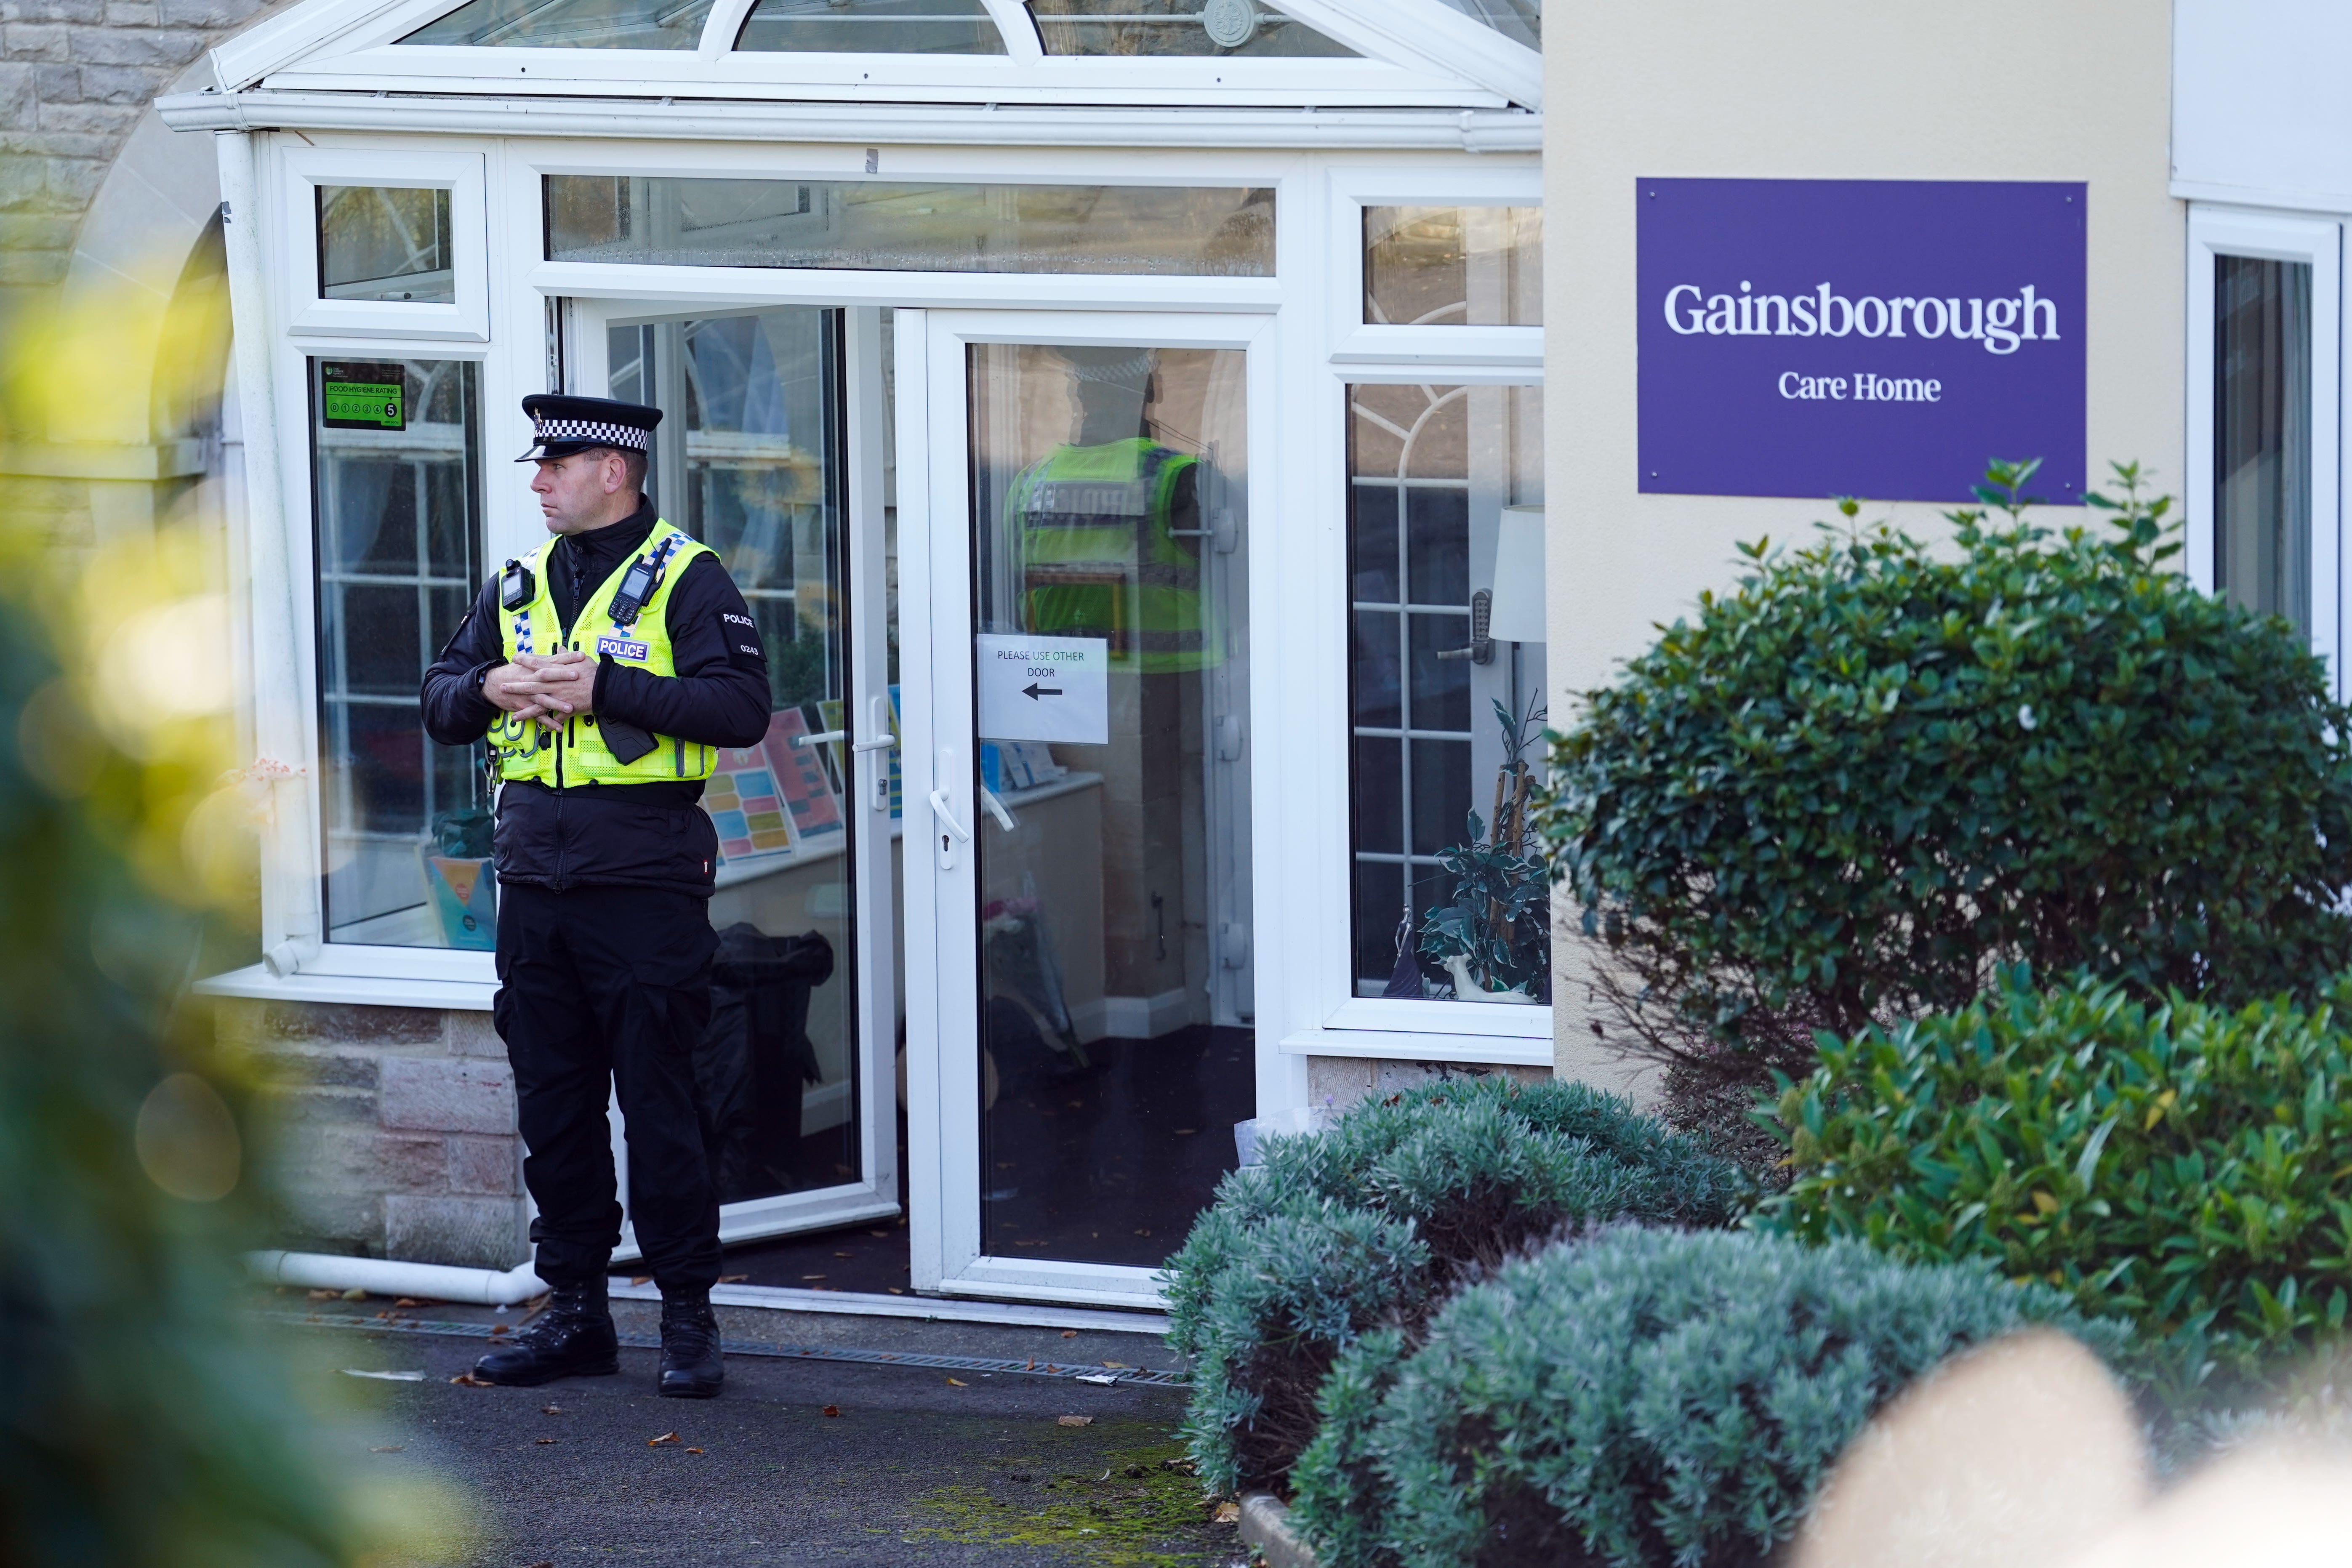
(1043, 689)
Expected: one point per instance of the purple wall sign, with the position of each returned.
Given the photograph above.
(1872, 337)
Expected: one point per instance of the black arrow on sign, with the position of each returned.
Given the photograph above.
(1033, 692)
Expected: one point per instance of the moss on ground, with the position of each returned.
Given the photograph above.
(1125, 1496)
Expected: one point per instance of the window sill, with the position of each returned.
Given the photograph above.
(1488, 1051)
(256, 983)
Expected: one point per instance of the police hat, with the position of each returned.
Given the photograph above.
(562, 425)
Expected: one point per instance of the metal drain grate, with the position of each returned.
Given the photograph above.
(1128, 1376)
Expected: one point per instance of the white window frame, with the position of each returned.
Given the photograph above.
(302, 170)
(1355, 341)
(2218, 231)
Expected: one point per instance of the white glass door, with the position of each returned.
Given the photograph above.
(1078, 643)
(772, 452)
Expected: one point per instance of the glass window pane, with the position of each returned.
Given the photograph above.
(1521, 21)
(385, 242)
(1224, 231)
(872, 26)
(2261, 435)
(1219, 27)
(1454, 266)
(749, 462)
(396, 480)
(571, 25)
(1453, 731)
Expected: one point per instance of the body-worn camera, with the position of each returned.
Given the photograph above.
(516, 586)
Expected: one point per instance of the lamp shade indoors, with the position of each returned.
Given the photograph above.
(1518, 608)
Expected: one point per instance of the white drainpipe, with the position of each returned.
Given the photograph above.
(386, 1276)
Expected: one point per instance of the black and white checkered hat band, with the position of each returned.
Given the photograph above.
(592, 433)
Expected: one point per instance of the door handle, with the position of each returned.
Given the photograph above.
(887, 743)
(946, 813)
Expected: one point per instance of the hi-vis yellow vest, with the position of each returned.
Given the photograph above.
(576, 753)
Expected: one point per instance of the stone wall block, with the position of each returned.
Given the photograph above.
(469, 1034)
(438, 1095)
(349, 1024)
(110, 118)
(206, 13)
(360, 1159)
(318, 1067)
(56, 10)
(118, 84)
(317, 1220)
(164, 47)
(469, 1232)
(488, 1165)
(36, 41)
(130, 13)
(299, 1106)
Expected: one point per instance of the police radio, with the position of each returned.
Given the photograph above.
(516, 586)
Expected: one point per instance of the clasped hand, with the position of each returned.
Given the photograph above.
(550, 687)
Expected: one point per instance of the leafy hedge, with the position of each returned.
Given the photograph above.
(1372, 1224)
(1877, 771)
(1642, 1398)
(2186, 1165)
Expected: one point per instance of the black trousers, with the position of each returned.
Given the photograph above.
(605, 990)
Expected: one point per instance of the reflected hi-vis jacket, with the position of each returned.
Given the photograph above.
(577, 754)
(1099, 557)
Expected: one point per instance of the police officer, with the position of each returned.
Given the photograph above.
(606, 670)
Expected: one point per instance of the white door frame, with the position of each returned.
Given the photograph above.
(874, 890)
(943, 1133)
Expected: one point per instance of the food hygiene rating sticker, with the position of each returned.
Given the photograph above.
(1043, 689)
(362, 397)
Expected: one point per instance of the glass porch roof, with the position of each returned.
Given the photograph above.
(1219, 28)
(1083, 54)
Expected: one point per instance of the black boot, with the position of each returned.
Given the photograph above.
(690, 1363)
(572, 1336)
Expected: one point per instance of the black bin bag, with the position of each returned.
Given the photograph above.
(756, 1058)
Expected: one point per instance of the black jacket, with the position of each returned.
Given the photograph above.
(648, 835)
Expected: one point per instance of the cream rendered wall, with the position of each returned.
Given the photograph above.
(1992, 90)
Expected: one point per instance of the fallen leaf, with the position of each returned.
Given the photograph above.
(694, 1450)
(1146, 1231)
(665, 1437)
(833, 1410)
(551, 1410)
(323, 1295)
(542, 1562)
(1073, 1420)
(404, 1301)
(543, 1441)
(641, 1278)
(844, 1254)
(1227, 1513)
(957, 1382)
(387, 1448)
(1119, 1364)
(498, 1329)
(467, 1380)
(732, 1278)
(812, 1276)
(354, 1294)
(895, 1290)
(1069, 1333)
(1186, 1131)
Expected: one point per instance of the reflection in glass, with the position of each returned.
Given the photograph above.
(1219, 27)
(379, 242)
(1450, 894)
(2261, 435)
(1165, 230)
(397, 500)
(1454, 266)
(1108, 491)
(571, 25)
(749, 462)
(1521, 21)
(872, 26)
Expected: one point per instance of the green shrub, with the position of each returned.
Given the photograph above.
(2186, 1166)
(1642, 1398)
(1271, 1285)
(1877, 771)
(1292, 1286)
